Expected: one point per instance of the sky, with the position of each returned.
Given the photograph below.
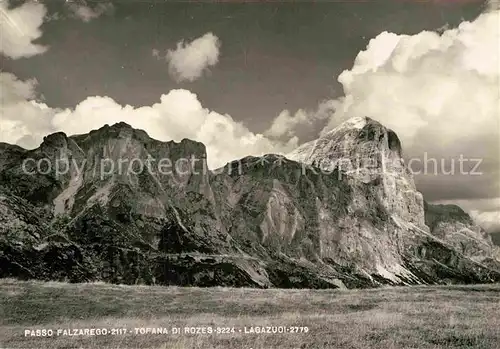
(254, 78)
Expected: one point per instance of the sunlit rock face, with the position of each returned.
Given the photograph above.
(454, 226)
(341, 211)
(368, 152)
(100, 195)
(370, 157)
(385, 206)
(114, 166)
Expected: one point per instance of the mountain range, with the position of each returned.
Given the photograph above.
(341, 211)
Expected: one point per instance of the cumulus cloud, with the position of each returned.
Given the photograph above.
(20, 113)
(440, 93)
(19, 27)
(428, 82)
(189, 61)
(24, 120)
(489, 221)
(433, 88)
(178, 115)
(86, 13)
(15, 90)
(287, 125)
(447, 83)
(439, 90)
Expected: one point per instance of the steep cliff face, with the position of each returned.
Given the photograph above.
(105, 193)
(116, 168)
(454, 226)
(118, 206)
(416, 240)
(368, 152)
(370, 157)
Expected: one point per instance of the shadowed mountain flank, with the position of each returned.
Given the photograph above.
(341, 211)
(495, 237)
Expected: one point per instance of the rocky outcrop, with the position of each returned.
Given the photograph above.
(367, 152)
(386, 207)
(454, 226)
(118, 206)
(99, 199)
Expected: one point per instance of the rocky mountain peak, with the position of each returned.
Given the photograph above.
(357, 122)
(121, 124)
(368, 152)
(347, 145)
(55, 140)
(116, 126)
(351, 217)
(120, 130)
(124, 138)
(453, 225)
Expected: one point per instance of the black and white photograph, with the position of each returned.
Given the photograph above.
(249, 174)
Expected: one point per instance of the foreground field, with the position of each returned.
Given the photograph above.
(418, 317)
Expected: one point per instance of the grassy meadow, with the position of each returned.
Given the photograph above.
(404, 317)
